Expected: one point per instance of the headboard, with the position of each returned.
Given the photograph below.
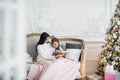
(33, 38)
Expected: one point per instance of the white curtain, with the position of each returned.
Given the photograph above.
(12, 40)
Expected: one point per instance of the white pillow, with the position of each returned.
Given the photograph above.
(73, 54)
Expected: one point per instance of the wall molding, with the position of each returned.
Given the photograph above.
(40, 20)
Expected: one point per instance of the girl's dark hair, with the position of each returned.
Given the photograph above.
(56, 40)
(42, 39)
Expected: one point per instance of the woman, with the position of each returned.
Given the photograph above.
(44, 48)
(53, 69)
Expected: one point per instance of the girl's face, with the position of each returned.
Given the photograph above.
(47, 39)
(55, 44)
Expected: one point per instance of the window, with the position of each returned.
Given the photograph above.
(12, 40)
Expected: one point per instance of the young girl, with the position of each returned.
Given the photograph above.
(55, 43)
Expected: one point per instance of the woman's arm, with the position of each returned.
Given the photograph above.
(44, 53)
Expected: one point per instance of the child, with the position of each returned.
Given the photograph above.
(59, 51)
(55, 43)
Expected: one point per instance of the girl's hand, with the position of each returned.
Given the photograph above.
(59, 55)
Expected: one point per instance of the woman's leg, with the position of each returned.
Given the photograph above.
(34, 72)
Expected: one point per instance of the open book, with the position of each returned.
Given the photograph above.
(56, 52)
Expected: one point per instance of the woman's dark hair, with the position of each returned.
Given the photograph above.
(56, 40)
(42, 39)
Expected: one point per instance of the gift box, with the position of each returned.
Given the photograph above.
(110, 75)
(117, 76)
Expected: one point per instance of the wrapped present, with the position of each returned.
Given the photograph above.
(110, 75)
(117, 76)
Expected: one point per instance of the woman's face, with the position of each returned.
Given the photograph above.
(55, 44)
(47, 39)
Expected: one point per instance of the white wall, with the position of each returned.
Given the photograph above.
(77, 18)
(86, 19)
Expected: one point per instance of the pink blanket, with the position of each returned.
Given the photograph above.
(58, 69)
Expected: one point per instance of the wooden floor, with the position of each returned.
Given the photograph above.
(82, 78)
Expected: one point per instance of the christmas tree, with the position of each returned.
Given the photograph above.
(110, 53)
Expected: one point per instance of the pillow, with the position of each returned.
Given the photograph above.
(73, 46)
(73, 51)
(73, 54)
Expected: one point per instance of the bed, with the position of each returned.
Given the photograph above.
(33, 38)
